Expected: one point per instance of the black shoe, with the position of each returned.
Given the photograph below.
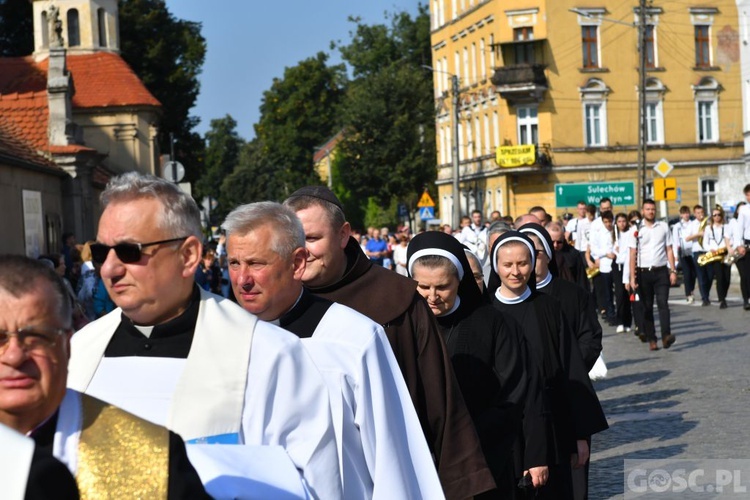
(723, 304)
(642, 336)
(668, 341)
(746, 307)
(706, 303)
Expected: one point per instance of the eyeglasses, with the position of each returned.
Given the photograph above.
(32, 339)
(126, 252)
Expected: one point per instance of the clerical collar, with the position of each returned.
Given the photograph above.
(453, 309)
(546, 281)
(277, 321)
(183, 322)
(515, 300)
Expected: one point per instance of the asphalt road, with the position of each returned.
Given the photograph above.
(690, 401)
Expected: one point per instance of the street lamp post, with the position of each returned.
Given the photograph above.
(456, 91)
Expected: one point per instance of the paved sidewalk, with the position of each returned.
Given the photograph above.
(690, 401)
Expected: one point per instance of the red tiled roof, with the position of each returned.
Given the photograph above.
(102, 79)
(11, 145)
(326, 148)
(27, 115)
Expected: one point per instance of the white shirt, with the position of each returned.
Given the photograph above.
(622, 250)
(715, 237)
(742, 229)
(652, 245)
(16, 451)
(680, 231)
(579, 229)
(600, 244)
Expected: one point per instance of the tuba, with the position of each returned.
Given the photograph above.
(713, 256)
(592, 272)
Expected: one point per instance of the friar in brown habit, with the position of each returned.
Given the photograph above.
(338, 270)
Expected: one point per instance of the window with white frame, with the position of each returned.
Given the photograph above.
(495, 129)
(457, 65)
(528, 125)
(594, 98)
(650, 190)
(708, 193)
(654, 111)
(466, 73)
(594, 116)
(473, 63)
(478, 135)
(469, 138)
(492, 51)
(707, 110)
(487, 133)
(483, 59)
(707, 121)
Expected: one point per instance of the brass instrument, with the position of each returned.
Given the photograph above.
(592, 272)
(701, 230)
(735, 256)
(713, 256)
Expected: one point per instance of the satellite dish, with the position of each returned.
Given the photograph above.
(173, 171)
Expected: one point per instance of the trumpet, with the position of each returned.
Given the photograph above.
(592, 272)
(712, 256)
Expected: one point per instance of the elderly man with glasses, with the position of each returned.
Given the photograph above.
(113, 454)
(182, 357)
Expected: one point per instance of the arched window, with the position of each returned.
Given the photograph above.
(594, 97)
(74, 28)
(101, 17)
(707, 109)
(654, 111)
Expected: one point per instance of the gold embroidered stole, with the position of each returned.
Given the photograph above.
(120, 455)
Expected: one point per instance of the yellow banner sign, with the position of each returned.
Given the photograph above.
(516, 156)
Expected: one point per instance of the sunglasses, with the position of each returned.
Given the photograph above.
(557, 243)
(716, 215)
(126, 252)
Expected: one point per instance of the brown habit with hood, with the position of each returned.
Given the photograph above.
(392, 301)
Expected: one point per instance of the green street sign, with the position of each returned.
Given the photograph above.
(568, 195)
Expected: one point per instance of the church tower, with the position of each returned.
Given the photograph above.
(80, 26)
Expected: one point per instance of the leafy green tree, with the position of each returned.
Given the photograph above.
(223, 146)
(254, 179)
(16, 28)
(299, 113)
(167, 54)
(388, 114)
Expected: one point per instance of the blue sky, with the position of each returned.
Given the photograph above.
(251, 41)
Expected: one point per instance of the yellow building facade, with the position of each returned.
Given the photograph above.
(563, 76)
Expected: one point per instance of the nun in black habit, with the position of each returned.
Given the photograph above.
(549, 443)
(485, 349)
(579, 349)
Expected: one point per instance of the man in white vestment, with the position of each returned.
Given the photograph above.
(112, 453)
(382, 449)
(192, 361)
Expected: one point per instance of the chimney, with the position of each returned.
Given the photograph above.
(60, 90)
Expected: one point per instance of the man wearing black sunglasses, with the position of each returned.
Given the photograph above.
(182, 357)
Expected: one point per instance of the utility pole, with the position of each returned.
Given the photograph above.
(456, 172)
(642, 123)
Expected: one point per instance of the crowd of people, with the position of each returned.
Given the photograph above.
(299, 359)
